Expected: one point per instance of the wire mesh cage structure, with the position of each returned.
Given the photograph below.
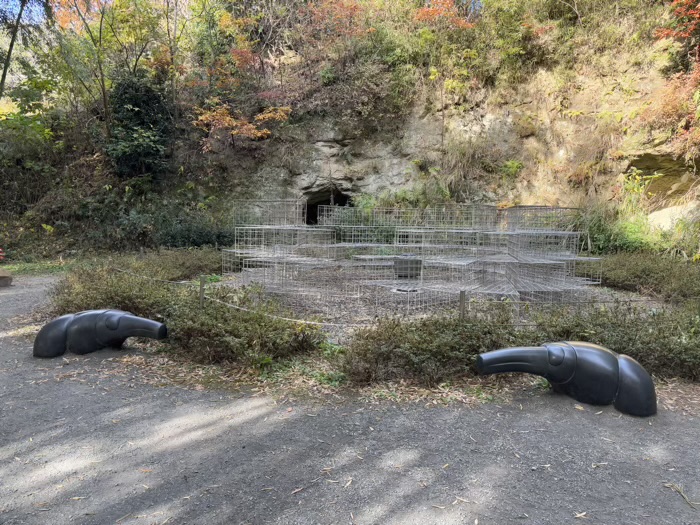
(358, 264)
(526, 218)
(279, 212)
(458, 215)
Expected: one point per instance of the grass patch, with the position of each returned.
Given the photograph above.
(39, 268)
(172, 265)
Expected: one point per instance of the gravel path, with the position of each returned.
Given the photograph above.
(82, 444)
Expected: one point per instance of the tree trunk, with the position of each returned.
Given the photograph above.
(103, 78)
(173, 63)
(13, 39)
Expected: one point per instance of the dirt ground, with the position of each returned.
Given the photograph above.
(82, 442)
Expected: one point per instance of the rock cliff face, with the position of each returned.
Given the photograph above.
(330, 161)
(557, 139)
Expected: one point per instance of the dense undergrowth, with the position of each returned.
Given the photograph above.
(666, 340)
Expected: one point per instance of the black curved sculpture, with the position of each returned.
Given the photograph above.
(589, 373)
(93, 330)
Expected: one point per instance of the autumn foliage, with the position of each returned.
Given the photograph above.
(74, 14)
(685, 25)
(220, 119)
(687, 20)
(677, 108)
(443, 13)
(327, 21)
(339, 18)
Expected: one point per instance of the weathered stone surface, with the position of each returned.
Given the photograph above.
(572, 142)
(5, 278)
(667, 218)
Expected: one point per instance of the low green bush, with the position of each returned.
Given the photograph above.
(669, 278)
(428, 351)
(218, 333)
(666, 342)
(213, 333)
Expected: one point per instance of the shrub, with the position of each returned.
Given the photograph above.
(511, 168)
(172, 265)
(99, 287)
(613, 229)
(428, 351)
(671, 279)
(220, 334)
(684, 26)
(214, 333)
(141, 127)
(194, 228)
(27, 151)
(665, 341)
(676, 111)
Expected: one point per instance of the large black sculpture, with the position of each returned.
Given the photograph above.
(93, 330)
(589, 373)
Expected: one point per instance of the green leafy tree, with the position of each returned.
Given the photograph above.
(133, 29)
(20, 19)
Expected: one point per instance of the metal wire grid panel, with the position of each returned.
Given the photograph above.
(280, 212)
(524, 218)
(357, 289)
(466, 216)
(360, 265)
(542, 245)
(291, 240)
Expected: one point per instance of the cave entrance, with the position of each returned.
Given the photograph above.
(333, 197)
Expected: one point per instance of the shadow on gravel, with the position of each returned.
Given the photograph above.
(128, 453)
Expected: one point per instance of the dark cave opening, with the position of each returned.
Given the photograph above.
(333, 197)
